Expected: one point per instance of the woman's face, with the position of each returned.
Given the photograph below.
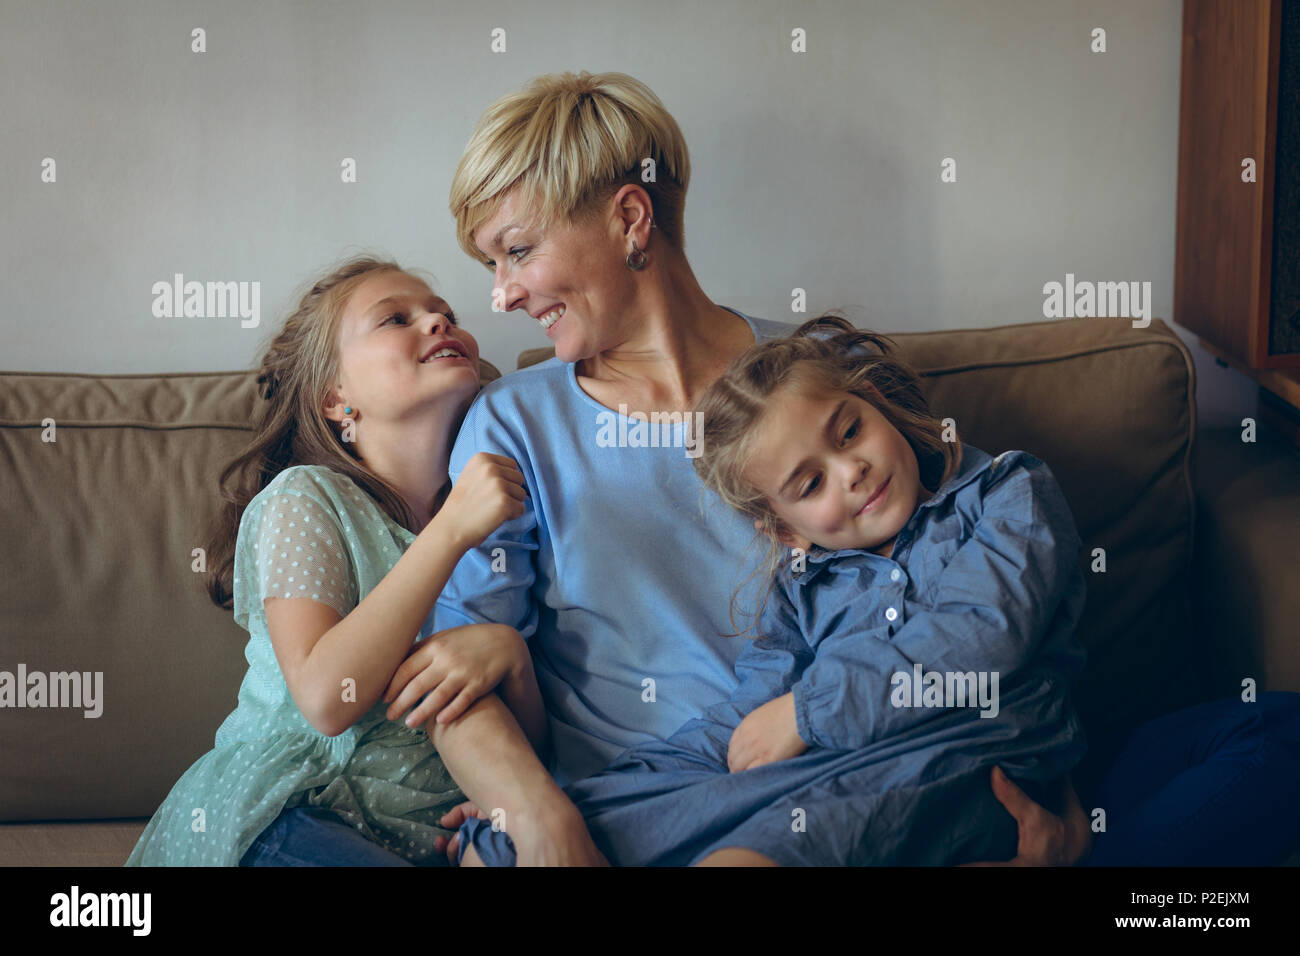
(579, 270)
(392, 326)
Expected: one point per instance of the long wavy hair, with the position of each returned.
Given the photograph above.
(825, 355)
(293, 379)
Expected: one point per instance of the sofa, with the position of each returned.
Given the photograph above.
(108, 481)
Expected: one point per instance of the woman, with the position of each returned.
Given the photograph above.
(620, 572)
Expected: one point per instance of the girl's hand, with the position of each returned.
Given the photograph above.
(454, 668)
(489, 491)
(767, 735)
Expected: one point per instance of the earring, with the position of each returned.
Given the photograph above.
(347, 410)
(635, 258)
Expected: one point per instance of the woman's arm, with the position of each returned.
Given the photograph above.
(519, 693)
(492, 761)
(493, 583)
(485, 748)
(445, 673)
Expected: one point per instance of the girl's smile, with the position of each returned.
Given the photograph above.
(445, 350)
(876, 497)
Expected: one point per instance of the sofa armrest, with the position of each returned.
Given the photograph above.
(1246, 560)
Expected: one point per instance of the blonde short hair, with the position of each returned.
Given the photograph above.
(570, 142)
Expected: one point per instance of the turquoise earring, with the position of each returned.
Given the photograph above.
(347, 410)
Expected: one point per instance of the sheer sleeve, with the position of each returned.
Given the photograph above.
(292, 546)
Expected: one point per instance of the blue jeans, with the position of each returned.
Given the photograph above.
(1217, 784)
(312, 836)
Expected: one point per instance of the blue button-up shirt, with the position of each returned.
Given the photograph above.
(982, 592)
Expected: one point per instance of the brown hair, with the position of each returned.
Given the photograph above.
(824, 355)
(294, 378)
(570, 142)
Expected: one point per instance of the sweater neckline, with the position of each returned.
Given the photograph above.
(571, 373)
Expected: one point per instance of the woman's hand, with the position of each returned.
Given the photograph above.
(451, 820)
(1045, 838)
(767, 735)
(454, 668)
(557, 840)
(489, 491)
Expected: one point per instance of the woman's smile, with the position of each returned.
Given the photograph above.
(551, 316)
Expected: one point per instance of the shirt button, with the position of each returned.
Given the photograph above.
(891, 615)
(895, 574)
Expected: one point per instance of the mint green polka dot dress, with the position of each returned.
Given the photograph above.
(311, 534)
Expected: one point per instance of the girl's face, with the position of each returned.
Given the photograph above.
(579, 269)
(835, 471)
(393, 325)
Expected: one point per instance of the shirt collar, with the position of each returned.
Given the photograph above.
(974, 462)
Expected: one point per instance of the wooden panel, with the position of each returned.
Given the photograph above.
(1223, 256)
(1283, 337)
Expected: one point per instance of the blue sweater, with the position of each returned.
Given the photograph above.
(620, 571)
(977, 604)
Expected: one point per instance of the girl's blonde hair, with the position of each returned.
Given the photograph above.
(571, 141)
(824, 356)
(296, 372)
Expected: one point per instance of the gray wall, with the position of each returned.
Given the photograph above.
(818, 170)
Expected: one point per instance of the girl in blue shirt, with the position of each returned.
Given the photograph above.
(918, 630)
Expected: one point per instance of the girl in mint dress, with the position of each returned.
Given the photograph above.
(301, 574)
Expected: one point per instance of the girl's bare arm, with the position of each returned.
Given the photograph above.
(336, 669)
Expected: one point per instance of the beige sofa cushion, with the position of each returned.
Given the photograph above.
(99, 843)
